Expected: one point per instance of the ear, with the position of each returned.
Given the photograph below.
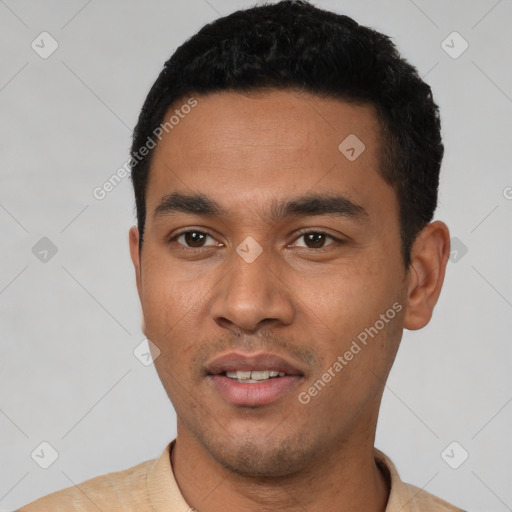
(136, 260)
(429, 256)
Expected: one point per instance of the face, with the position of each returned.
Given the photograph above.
(267, 248)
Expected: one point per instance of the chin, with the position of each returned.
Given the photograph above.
(264, 456)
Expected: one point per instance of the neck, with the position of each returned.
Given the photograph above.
(347, 478)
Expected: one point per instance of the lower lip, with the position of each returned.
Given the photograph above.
(253, 394)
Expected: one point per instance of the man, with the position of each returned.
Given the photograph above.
(285, 167)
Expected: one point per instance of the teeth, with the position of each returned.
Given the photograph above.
(254, 376)
(260, 375)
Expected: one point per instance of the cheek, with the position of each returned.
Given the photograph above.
(165, 298)
(171, 306)
(353, 297)
(350, 305)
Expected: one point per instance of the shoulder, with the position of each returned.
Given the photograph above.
(406, 497)
(120, 490)
(415, 499)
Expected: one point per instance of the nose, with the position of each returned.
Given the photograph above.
(252, 295)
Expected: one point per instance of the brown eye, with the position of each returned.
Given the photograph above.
(314, 240)
(192, 238)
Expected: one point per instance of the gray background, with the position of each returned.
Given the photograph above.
(69, 325)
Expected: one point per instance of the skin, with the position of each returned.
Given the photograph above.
(296, 300)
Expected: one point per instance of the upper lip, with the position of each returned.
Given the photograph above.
(248, 362)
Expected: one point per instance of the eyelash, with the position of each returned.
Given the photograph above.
(336, 241)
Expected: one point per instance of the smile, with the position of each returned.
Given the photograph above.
(254, 376)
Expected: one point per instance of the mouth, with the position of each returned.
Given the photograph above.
(254, 376)
(252, 380)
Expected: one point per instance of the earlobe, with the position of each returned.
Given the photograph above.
(430, 253)
(143, 323)
(135, 256)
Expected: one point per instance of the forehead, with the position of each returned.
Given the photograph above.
(252, 146)
(285, 122)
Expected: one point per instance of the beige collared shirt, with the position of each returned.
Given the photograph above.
(150, 486)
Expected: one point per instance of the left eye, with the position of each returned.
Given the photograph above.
(314, 239)
(193, 238)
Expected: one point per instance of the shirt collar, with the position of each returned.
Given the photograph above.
(164, 493)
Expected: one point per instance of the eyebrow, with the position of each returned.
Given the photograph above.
(308, 205)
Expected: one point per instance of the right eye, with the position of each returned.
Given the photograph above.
(192, 239)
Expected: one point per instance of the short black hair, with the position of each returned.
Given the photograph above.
(297, 46)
